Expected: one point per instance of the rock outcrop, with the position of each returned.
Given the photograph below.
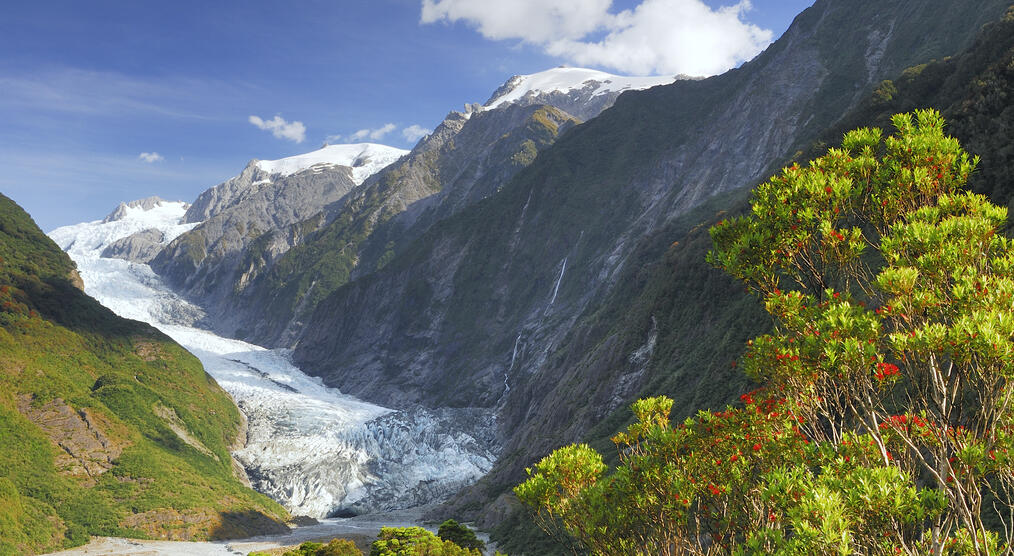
(84, 449)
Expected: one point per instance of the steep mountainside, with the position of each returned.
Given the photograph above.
(507, 303)
(696, 317)
(495, 289)
(237, 259)
(107, 427)
(468, 157)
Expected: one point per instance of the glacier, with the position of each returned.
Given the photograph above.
(315, 450)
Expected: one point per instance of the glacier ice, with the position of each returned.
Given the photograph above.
(316, 450)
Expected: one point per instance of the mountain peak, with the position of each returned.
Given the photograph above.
(565, 79)
(137, 206)
(365, 159)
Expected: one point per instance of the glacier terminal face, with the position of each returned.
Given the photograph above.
(317, 451)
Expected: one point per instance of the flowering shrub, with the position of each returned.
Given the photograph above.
(892, 354)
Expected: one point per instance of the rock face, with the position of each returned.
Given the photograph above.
(85, 450)
(139, 248)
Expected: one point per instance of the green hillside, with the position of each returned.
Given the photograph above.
(107, 427)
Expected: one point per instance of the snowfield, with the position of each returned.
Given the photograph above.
(317, 451)
(365, 159)
(565, 79)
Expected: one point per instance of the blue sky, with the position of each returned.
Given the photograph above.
(87, 87)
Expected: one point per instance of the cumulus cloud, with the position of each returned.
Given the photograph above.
(373, 134)
(293, 131)
(363, 134)
(536, 21)
(657, 36)
(415, 132)
(150, 157)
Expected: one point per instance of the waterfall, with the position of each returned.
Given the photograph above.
(556, 289)
(515, 354)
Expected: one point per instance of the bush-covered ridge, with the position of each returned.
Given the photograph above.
(88, 403)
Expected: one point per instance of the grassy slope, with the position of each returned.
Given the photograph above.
(59, 345)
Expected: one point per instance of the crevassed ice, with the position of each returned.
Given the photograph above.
(314, 449)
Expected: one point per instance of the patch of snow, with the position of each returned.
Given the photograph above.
(565, 79)
(93, 237)
(365, 159)
(311, 447)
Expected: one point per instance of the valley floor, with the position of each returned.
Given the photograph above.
(362, 530)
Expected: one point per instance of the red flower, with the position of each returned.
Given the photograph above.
(756, 447)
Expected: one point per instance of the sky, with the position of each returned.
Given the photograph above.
(103, 102)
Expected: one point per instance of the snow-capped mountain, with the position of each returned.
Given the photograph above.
(312, 448)
(265, 179)
(579, 91)
(365, 159)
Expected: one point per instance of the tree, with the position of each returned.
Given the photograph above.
(891, 293)
(413, 541)
(884, 422)
(460, 535)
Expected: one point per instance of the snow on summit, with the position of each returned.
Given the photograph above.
(365, 159)
(564, 79)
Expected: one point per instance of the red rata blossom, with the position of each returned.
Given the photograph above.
(885, 370)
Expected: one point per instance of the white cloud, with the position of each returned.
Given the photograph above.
(415, 132)
(536, 21)
(374, 134)
(151, 157)
(357, 137)
(293, 131)
(656, 37)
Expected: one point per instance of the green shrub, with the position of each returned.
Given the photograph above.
(460, 535)
(413, 541)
